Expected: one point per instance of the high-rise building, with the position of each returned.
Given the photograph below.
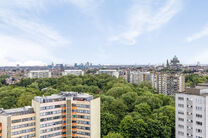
(39, 74)
(64, 115)
(168, 84)
(191, 111)
(17, 123)
(73, 72)
(114, 73)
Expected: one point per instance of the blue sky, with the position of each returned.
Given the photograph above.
(37, 32)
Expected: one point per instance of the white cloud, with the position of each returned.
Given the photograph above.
(198, 35)
(30, 41)
(146, 16)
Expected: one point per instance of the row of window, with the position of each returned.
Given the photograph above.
(189, 113)
(23, 131)
(81, 122)
(81, 127)
(81, 116)
(52, 118)
(190, 121)
(198, 100)
(81, 105)
(23, 120)
(50, 113)
(23, 125)
(52, 135)
(52, 124)
(27, 136)
(51, 107)
(82, 111)
(199, 108)
(51, 129)
(81, 133)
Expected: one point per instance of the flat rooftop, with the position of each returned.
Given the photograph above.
(17, 111)
(63, 96)
(201, 90)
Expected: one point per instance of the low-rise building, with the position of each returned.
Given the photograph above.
(73, 72)
(39, 74)
(114, 73)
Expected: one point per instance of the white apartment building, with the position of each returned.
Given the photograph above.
(114, 73)
(191, 113)
(39, 74)
(73, 72)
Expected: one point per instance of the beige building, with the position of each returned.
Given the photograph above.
(17, 123)
(64, 115)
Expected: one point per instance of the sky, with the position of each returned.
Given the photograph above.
(39, 32)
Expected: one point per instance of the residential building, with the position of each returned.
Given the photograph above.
(114, 73)
(73, 72)
(64, 115)
(168, 84)
(17, 123)
(191, 111)
(39, 74)
(137, 77)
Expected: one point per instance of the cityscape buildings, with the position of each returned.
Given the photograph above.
(67, 115)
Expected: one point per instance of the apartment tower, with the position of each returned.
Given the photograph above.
(63, 115)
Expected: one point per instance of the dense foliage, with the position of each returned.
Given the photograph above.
(194, 79)
(127, 110)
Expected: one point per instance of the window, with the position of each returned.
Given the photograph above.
(199, 123)
(198, 115)
(180, 98)
(180, 119)
(180, 133)
(180, 113)
(181, 105)
(199, 108)
(198, 130)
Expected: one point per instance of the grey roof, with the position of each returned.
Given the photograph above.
(17, 111)
(63, 96)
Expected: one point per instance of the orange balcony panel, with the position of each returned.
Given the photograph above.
(74, 107)
(74, 124)
(0, 134)
(63, 124)
(64, 119)
(74, 113)
(73, 135)
(64, 135)
(63, 108)
(63, 113)
(74, 129)
(64, 130)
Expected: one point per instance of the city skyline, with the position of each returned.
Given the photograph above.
(37, 32)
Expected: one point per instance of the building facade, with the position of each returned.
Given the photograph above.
(191, 111)
(168, 84)
(39, 74)
(114, 73)
(73, 72)
(136, 77)
(64, 115)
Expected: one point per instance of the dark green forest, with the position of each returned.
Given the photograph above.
(127, 110)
